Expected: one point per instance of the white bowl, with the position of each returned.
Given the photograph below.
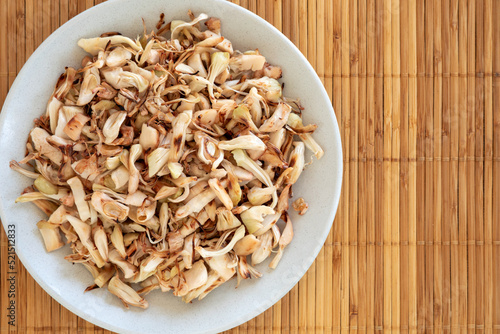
(226, 306)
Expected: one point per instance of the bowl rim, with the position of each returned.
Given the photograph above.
(80, 312)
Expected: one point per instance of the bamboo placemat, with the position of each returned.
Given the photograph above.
(416, 241)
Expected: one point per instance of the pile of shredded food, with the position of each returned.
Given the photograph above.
(167, 161)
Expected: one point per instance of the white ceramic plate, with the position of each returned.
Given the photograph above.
(226, 307)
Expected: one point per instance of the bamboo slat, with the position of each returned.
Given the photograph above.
(415, 245)
(437, 188)
(346, 136)
(395, 166)
(446, 168)
(488, 166)
(412, 168)
(370, 167)
(404, 175)
(420, 167)
(429, 172)
(339, 219)
(329, 284)
(362, 170)
(496, 167)
(353, 66)
(471, 166)
(320, 265)
(387, 154)
(479, 173)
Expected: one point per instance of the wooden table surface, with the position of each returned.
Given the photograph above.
(416, 241)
